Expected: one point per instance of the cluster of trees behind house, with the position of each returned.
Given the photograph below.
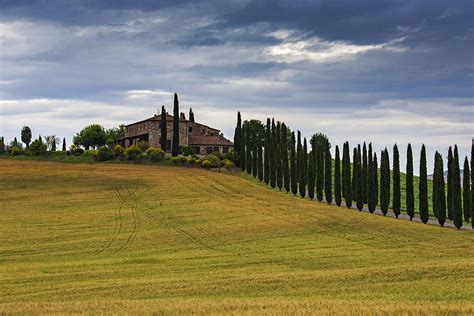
(276, 156)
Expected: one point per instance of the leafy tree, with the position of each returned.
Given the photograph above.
(37, 147)
(319, 168)
(423, 187)
(450, 184)
(410, 194)
(51, 142)
(175, 143)
(243, 154)
(337, 178)
(396, 181)
(456, 190)
(90, 136)
(320, 140)
(328, 174)
(26, 135)
(466, 191)
(272, 156)
(163, 129)
(346, 175)
(439, 200)
(279, 168)
(2, 145)
(293, 168)
(284, 157)
(266, 159)
(365, 173)
(237, 136)
(64, 144)
(384, 182)
(115, 133)
(191, 116)
(304, 169)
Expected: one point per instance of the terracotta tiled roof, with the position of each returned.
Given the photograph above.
(169, 118)
(209, 140)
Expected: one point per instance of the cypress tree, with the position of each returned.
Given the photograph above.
(396, 181)
(384, 182)
(2, 144)
(191, 117)
(456, 190)
(370, 181)
(319, 171)
(237, 136)
(365, 174)
(254, 147)
(175, 144)
(64, 144)
(266, 158)
(243, 154)
(299, 159)
(163, 129)
(311, 173)
(466, 191)
(304, 169)
(272, 156)
(450, 184)
(337, 178)
(284, 157)
(354, 174)
(472, 185)
(328, 174)
(359, 182)
(410, 195)
(260, 160)
(248, 149)
(53, 144)
(346, 178)
(279, 168)
(375, 177)
(439, 200)
(423, 187)
(293, 171)
(343, 171)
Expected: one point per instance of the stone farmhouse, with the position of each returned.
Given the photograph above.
(202, 138)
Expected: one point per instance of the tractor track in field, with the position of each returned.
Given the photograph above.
(118, 223)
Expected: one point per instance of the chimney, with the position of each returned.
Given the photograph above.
(181, 115)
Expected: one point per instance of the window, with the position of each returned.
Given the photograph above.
(190, 129)
(208, 150)
(216, 148)
(225, 149)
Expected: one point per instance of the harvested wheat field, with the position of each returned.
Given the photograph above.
(120, 238)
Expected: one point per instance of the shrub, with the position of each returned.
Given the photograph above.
(206, 164)
(186, 150)
(155, 154)
(133, 153)
(230, 155)
(105, 153)
(76, 151)
(119, 151)
(213, 160)
(218, 155)
(175, 160)
(192, 160)
(183, 159)
(37, 147)
(198, 162)
(226, 163)
(15, 150)
(143, 145)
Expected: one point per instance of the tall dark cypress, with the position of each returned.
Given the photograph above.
(328, 174)
(248, 149)
(439, 199)
(359, 181)
(175, 144)
(254, 147)
(456, 190)
(396, 181)
(370, 181)
(304, 169)
(163, 129)
(450, 184)
(423, 187)
(293, 168)
(384, 182)
(279, 168)
(346, 178)
(354, 174)
(466, 191)
(266, 158)
(319, 171)
(410, 195)
(272, 156)
(337, 178)
(376, 181)
(237, 136)
(64, 144)
(284, 157)
(260, 159)
(472, 185)
(243, 154)
(191, 116)
(311, 173)
(365, 174)
(299, 158)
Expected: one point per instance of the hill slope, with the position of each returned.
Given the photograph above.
(130, 238)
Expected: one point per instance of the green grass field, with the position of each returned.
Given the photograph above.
(124, 238)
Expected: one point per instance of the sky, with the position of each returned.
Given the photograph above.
(383, 71)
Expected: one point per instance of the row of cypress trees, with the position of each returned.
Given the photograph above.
(281, 159)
